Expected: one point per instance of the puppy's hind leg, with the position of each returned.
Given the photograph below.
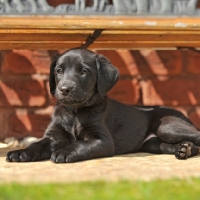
(175, 128)
(181, 150)
(156, 146)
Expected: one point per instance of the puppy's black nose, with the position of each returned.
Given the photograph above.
(65, 89)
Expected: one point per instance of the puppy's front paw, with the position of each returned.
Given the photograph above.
(18, 156)
(61, 156)
(58, 156)
(185, 150)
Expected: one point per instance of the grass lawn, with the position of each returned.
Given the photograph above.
(173, 189)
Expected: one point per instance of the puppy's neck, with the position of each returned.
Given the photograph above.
(94, 100)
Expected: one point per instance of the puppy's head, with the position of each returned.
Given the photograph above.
(78, 74)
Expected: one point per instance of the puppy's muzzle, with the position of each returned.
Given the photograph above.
(65, 89)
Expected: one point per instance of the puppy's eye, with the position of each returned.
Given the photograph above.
(59, 71)
(84, 72)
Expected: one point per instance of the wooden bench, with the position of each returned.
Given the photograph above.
(119, 32)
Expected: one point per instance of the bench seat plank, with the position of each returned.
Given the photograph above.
(120, 32)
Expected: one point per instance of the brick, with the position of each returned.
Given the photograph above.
(194, 116)
(25, 62)
(22, 92)
(192, 62)
(125, 91)
(165, 62)
(24, 124)
(171, 92)
(16, 64)
(4, 125)
(145, 62)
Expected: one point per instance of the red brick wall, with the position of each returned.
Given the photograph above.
(148, 77)
(24, 101)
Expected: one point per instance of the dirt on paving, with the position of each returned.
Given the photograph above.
(137, 166)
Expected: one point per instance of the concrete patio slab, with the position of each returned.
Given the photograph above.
(138, 166)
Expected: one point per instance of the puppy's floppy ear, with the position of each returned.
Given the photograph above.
(52, 82)
(108, 75)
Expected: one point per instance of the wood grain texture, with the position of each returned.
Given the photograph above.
(120, 32)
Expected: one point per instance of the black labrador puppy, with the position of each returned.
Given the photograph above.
(86, 124)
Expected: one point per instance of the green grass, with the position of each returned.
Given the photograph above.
(186, 189)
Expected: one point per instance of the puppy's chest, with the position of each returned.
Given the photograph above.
(76, 128)
(72, 125)
(76, 123)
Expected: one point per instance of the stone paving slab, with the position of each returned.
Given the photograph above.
(138, 166)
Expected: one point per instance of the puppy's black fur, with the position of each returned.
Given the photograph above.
(86, 124)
